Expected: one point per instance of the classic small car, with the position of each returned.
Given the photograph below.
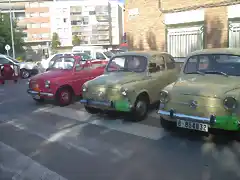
(9, 70)
(206, 94)
(131, 82)
(64, 79)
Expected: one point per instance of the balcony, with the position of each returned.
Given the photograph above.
(76, 18)
(79, 23)
(103, 38)
(102, 18)
(103, 28)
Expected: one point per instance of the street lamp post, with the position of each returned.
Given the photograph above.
(11, 27)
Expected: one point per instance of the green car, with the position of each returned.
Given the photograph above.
(207, 93)
(131, 82)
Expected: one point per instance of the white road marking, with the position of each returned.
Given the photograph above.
(23, 166)
(137, 129)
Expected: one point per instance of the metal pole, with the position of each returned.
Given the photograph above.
(11, 24)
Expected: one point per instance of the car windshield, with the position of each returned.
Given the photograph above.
(109, 54)
(84, 56)
(63, 63)
(128, 63)
(221, 64)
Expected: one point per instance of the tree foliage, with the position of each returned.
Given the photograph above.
(5, 34)
(76, 40)
(55, 41)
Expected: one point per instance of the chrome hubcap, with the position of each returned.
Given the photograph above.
(141, 107)
(65, 96)
(25, 74)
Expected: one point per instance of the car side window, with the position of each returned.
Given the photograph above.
(78, 66)
(100, 55)
(170, 63)
(4, 61)
(161, 63)
(191, 65)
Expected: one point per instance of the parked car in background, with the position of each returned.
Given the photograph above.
(116, 51)
(131, 82)
(45, 63)
(27, 68)
(94, 52)
(206, 95)
(64, 79)
(9, 69)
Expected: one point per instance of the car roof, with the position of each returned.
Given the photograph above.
(141, 53)
(233, 51)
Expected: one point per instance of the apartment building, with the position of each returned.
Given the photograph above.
(18, 12)
(181, 28)
(94, 22)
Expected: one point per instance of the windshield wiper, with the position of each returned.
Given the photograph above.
(196, 72)
(217, 72)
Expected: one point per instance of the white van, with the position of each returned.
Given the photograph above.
(94, 51)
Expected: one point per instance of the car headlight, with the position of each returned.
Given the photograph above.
(84, 88)
(47, 84)
(164, 96)
(124, 91)
(230, 103)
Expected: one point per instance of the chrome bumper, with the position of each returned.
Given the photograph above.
(173, 116)
(34, 93)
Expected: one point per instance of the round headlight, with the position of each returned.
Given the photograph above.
(164, 96)
(124, 91)
(230, 103)
(84, 88)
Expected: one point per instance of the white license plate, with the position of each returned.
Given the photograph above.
(36, 97)
(192, 125)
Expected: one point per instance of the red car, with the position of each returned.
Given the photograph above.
(64, 79)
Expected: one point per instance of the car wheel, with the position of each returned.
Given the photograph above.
(168, 125)
(140, 109)
(64, 96)
(25, 73)
(91, 110)
(41, 100)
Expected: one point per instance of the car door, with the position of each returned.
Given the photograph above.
(172, 71)
(81, 74)
(157, 73)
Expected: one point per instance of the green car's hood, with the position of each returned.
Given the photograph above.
(207, 85)
(117, 78)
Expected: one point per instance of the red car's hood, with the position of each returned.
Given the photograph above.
(52, 74)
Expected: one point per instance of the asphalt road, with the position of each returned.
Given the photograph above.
(53, 143)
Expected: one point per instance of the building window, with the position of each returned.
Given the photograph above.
(45, 35)
(44, 14)
(34, 36)
(92, 12)
(35, 25)
(64, 20)
(34, 15)
(44, 25)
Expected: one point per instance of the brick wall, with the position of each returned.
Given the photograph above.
(145, 31)
(148, 26)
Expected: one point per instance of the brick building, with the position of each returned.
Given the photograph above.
(181, 27)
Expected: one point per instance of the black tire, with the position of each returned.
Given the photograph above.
(140, 110)
(168, 125)
(237, 135)
(91, 110)
(64, 96)
(25, 73)
(41, 100)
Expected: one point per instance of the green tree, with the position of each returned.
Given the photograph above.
(55, 41)
(5, 34)
(76, 40)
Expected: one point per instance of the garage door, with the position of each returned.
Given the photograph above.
(182, 41)
(234, 34)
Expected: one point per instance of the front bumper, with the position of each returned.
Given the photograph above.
(36, 93)
(173, 116)
(123, 106)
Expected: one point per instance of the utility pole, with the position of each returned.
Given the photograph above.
(11, 24)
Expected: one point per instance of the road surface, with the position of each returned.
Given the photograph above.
(46, 142)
